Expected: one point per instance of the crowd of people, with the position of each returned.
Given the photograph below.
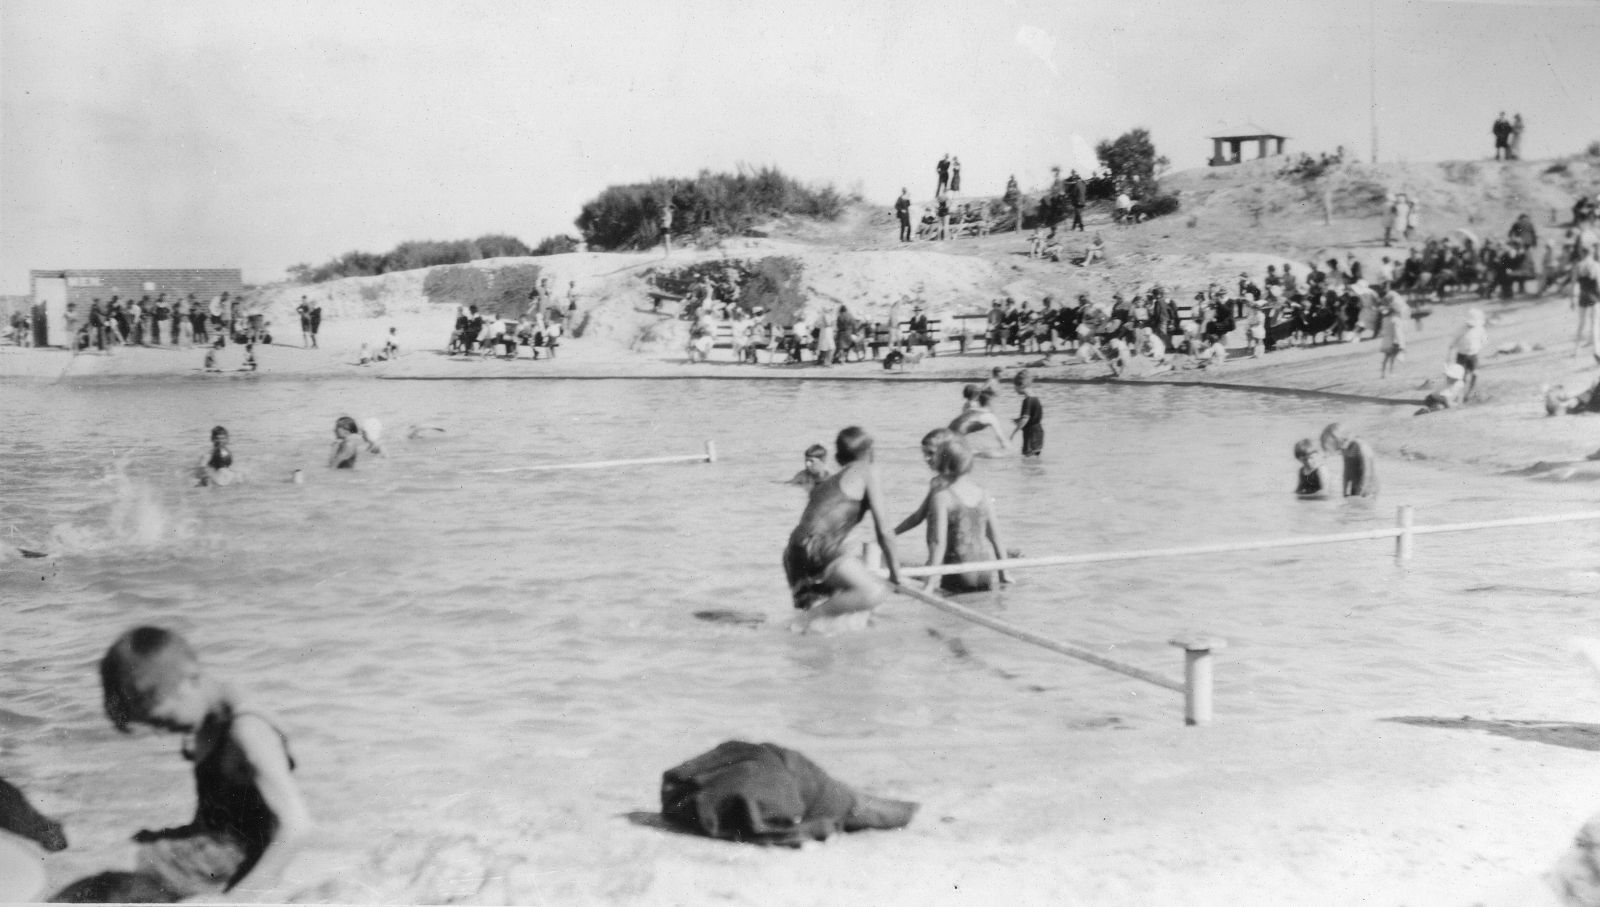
(154, 321)
(541, 326)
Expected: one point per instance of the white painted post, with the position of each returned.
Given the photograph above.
(1402, 542)
(1197, 676)
(711, 451)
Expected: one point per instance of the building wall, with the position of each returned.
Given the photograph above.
(86, 285)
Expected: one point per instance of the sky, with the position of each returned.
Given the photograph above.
(260, 135)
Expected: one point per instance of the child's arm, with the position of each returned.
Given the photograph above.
(938, 535)
(991, 528)
(917, 516)
(343, 449)
(880, 526)
(269, 763)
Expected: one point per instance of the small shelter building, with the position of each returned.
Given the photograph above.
(53, 291)
(1228, 148)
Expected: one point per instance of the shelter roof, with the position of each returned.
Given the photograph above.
(1246, 130)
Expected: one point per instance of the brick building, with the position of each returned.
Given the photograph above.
(54, 290)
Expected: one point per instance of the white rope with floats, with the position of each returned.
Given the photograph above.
(710, 456)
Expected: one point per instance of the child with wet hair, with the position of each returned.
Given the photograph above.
(1360, 467)
(249, 818)
(216, 467)
(346, 444)
(826, 580)
(1312, 478)
(816, 468)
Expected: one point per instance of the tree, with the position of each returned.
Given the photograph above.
(1132, 156)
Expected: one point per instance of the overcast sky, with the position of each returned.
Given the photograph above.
(262, 134)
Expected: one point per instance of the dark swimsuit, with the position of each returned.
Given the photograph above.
(1310, 483)
(1032, 426)
(965, 544)
(815, 546)
(221, 458)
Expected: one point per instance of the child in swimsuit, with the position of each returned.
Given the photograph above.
(346, 444)
(1031, 420)
(976, 416)
(216, 467)
(961, 523)
(250, 816)
(816, 468)
(1312, 479)
(1360, 467)
(827, 581)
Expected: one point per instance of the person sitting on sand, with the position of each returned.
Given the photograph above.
(212, 365)
(1095, 252)
(977, 416)
(1312, 478)
(1360, 467)
(216, 467)
(826, 580)
(962, 527)
(250, 363)
(345, 444)
(391, 347)
(1557, 402)
(816, 468)
(250, 817)
(1453, 394)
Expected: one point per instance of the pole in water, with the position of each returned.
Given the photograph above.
(1197, 676)
(711, 451)
(1402, 543)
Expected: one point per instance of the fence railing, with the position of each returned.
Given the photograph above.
(1197, 682)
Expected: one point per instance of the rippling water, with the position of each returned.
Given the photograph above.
(437, 637)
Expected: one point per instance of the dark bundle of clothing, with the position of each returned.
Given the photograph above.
(762, 793)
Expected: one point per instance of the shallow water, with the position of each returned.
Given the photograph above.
(439, 640)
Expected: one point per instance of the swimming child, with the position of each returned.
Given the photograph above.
(249, 818)
(976, 416)
(1031, 420)
(816, 468)
(826, 580)
(345, 446)
(961, 523)
(1360, 467)
(216, 467)
(1312, 479)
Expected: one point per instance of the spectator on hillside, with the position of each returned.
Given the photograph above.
(943, 170)
(955, 174)
(1522, 232)
(902, 210)
(1516, 137)
(943, 212)
(1077, 198)
(665, 216)
(1013, 200)
(1502, 137)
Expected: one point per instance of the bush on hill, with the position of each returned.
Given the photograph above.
(497, 291)
(629, 217)
(411, 255)
(771, 284)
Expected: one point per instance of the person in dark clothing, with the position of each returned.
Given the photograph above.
(1031, 420)
(902, 210)
(1502, 137)
(1077, 198)
(943, 169)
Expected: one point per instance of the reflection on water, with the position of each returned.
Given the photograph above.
(428, 630)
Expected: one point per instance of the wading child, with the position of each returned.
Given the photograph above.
(346, 444)
(1031, 420)
(1312, 479)
(816, 468)
(976, 416)
(826, 580)
(250, 816)
(216, 467)
(1360, 467)
(961, 522)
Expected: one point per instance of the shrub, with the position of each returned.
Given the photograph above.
(560, 244)
(1593, 150)
(1159, 205)
(729, 204)
(410, 255)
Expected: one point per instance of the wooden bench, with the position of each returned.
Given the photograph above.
(880, 336)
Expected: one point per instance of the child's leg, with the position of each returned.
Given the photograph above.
(859, 589)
